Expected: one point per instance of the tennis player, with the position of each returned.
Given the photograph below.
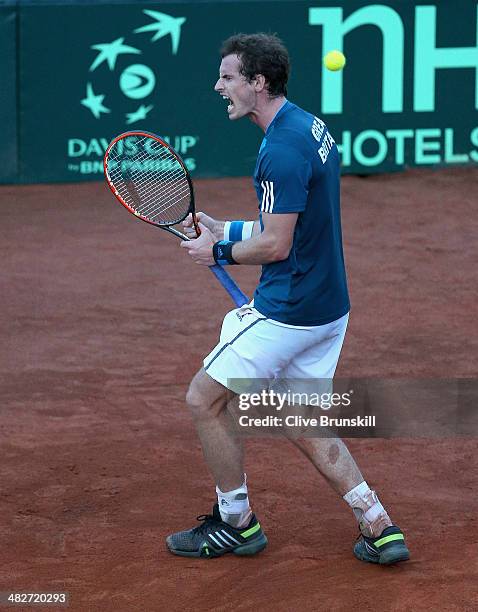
(296, 324)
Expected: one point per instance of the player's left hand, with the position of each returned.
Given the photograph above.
(200, 249)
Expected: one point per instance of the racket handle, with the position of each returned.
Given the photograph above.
(238, 297)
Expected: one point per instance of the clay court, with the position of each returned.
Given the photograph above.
(104, 321)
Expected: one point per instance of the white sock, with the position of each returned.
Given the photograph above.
(234, 506)
(369, 512)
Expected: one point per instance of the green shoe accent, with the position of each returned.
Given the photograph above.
(205, 548)
(251, 531)
(390, 538)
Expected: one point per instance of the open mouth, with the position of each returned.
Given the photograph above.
(230, 105)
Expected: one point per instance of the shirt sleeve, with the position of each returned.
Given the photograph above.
(284, 179)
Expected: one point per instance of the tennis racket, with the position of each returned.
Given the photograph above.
(149, 178)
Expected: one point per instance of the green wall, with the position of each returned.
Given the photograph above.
(9, 171)
(78, 74)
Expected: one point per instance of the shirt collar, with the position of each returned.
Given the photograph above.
(280, 111)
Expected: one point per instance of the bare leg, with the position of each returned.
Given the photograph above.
(333, 460)
(222, 447)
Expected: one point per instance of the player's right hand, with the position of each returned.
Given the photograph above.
(214, 226)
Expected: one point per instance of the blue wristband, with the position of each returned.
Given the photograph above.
(222, 252)
(238, 230)
(235, 230)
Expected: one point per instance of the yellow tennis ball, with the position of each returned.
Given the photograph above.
(334, 60)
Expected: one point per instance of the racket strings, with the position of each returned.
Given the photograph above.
(164, 203)
(162, 197)
(150, 179)
(171, 208)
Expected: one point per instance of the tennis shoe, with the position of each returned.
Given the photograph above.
(387, 549)
(214, 538)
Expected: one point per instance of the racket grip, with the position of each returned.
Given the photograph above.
(238, 297)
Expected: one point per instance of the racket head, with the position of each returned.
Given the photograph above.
(149, 178)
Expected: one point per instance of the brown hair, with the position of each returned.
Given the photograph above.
(261, 54)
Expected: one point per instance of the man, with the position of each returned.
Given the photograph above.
(295, 327)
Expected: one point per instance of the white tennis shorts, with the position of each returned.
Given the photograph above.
(251, 346)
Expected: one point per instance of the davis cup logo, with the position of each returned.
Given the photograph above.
(136, 81)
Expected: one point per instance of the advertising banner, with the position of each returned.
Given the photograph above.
(407, 96)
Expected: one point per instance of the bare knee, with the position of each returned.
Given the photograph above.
(195, 400)
(205, 397)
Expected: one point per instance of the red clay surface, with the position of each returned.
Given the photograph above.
(104, 321)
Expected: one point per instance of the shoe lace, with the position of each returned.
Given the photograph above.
(206, 519)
